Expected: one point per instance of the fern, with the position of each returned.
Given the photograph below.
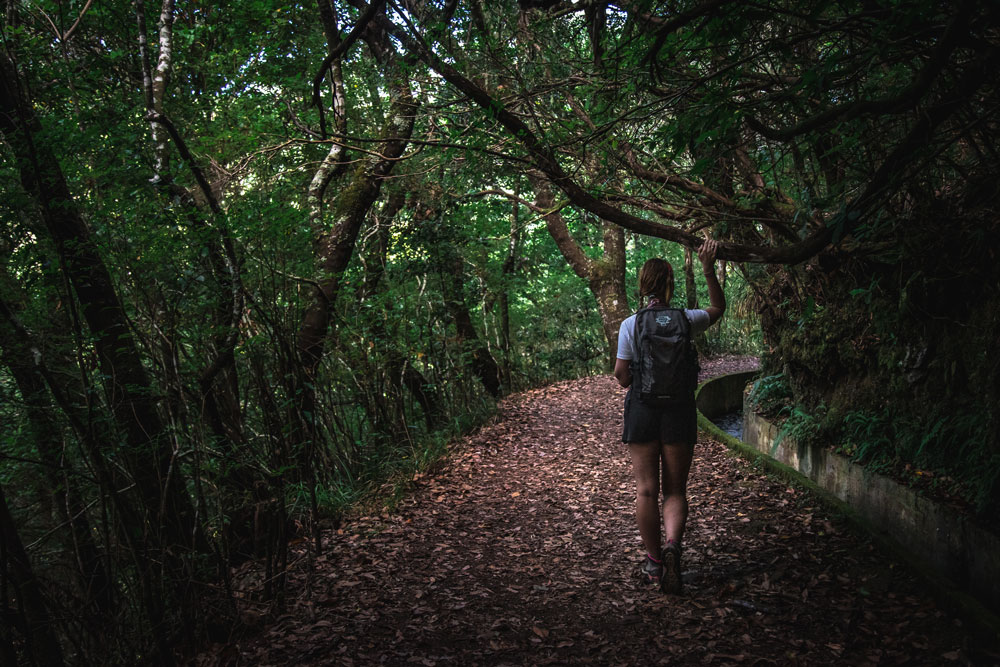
(770, 394)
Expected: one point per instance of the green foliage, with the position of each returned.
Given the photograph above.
(738, 332)
(803, 426)
(866, 437)
(897, 351)
(914, 447)
(770, 394)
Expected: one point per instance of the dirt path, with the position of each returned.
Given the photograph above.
(522, 550)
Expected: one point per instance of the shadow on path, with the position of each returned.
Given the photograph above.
(522, 550)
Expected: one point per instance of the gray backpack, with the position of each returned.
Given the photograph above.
(666, 367)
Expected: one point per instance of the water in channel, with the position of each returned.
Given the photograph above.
(731, 423)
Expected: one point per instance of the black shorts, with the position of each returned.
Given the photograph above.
(675, 424)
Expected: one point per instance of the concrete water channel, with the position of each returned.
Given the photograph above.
(957, 555)
(731, 423)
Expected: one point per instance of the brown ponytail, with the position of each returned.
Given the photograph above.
(656, 279)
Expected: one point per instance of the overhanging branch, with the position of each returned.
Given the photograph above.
(906, 99)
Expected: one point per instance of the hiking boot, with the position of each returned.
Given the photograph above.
(652, 572)
(670, 582)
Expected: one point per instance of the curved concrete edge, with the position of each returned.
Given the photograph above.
(982, 619)
(721, 395)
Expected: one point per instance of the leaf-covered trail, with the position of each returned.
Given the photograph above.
(522, 549)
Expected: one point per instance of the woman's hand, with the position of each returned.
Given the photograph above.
(623, 372)
(706, 253)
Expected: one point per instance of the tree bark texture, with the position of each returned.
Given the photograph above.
(333, 252)
(333, 163)
(690, 290)
(482, 363)
(334, 247)
(507, 273)
(45, 434)
(475, 352)
(219, 380)
(61, 376)
(160, 77)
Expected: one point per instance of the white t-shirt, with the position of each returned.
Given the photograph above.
(626, 343)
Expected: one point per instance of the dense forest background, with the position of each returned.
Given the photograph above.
(258, 257)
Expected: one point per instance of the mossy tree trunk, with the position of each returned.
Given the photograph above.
(605, 277)
(335, 246)
(333, 249)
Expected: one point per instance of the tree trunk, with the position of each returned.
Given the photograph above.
(333, 252)
(334, 248)
(398, 368)
(482, 363)
(690, 289)
(95, 582)
(607, 283)
(61, 376)
(475, 353)
(166, 527)
(161, 76)
(15, 572)
(507, 273)
(613, 308)
(219, 380)
(605, 278)
(132, 399)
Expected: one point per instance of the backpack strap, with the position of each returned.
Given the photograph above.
(687, 322)
(636, 365)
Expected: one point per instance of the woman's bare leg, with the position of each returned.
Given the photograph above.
(676, 466)
(646, 470)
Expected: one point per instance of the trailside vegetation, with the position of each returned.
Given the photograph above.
(258, 258)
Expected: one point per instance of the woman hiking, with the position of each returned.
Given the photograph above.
(657, 362)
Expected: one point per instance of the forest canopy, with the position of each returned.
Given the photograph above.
(260, 255)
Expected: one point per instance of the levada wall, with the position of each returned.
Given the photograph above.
(959, 557)
(723, 394)
(948, 541)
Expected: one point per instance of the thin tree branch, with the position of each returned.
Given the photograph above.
(359, 27)
(903, 101)
(72, 28)
(155, 117)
